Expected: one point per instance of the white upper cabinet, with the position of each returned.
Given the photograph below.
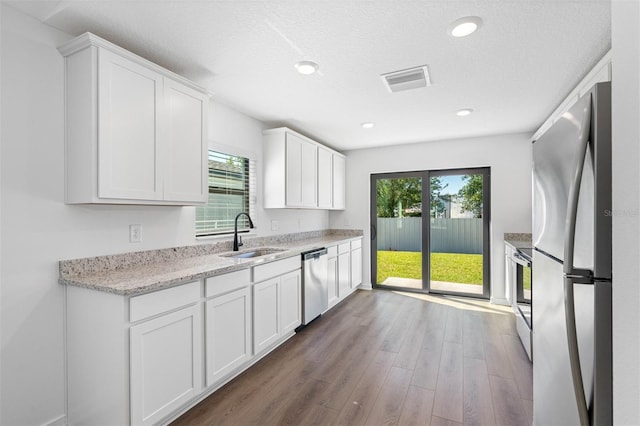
(136, 133)
(130, 99)
(186, 120)
(301, 173)
(325, 178)
(339, 181)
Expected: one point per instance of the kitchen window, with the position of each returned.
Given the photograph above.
(232, 187)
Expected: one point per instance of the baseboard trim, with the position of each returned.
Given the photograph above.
(365, 287)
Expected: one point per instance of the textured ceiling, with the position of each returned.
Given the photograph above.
(513, 71)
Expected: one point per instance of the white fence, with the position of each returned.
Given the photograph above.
(447, 235)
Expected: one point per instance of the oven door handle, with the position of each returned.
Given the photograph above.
(520, 260)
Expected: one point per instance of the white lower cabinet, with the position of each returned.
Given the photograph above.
(227, 333)
(344, 270)
(266, 321)
(142, 359)
(290, 301)
(132, 359)
(277, 302)
(166, 360)
(277, 309)
(332, 279)
(509, 275)
(356, 263)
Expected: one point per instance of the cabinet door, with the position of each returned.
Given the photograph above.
(301, 172)
(356, 268)
(185, 143)
(130, 97)
(266, 321)
(332, 280)
(309, 174)
(228, 333)
(325, 178)
(510, 277)
(166, 364)
(344, 275)
(339, 182)
(293, 175)
(290, 301)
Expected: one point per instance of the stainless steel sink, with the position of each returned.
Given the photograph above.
(253, 252)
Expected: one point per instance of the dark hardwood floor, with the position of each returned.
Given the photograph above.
(385, 358)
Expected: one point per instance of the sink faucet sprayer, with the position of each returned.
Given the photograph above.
(237, 241)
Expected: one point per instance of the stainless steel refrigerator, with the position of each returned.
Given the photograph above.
(572, 373)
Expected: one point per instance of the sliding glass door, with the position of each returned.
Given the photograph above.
(397, 227)
(442, 249)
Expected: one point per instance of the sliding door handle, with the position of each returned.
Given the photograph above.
(374, 232)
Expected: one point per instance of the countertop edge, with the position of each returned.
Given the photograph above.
(150, 283)
(518, 240)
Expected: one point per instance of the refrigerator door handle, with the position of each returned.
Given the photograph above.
(572, 208)
(572, 340)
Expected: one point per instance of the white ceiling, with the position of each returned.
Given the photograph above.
(513, 71)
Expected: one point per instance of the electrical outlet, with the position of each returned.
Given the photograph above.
(135, 233)
(275, 225)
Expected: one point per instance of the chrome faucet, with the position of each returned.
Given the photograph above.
(237, 240)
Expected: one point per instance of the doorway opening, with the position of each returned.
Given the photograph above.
(443, 248)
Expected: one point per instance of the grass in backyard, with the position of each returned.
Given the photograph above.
(448, 267)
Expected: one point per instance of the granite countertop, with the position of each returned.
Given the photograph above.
(142, 272)
(517, 241)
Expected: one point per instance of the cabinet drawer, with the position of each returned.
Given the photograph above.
(344, 248)
(356, 244)
(273, 269)
(227, 282)
(148, 305)
(332, 251)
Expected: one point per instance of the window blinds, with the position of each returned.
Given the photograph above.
(232, 188)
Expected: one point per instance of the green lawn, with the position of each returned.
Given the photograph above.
(448, 267)
(526, 281)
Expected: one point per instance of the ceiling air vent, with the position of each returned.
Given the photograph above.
(412, 78)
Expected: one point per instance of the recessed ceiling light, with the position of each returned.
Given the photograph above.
(464, 112)
(464, 26)
(368, 125)
(306, 67)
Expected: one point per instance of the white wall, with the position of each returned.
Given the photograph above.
(626, 206)
(38, 229)
(509, 157)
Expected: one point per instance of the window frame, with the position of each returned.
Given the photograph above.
(248, 193)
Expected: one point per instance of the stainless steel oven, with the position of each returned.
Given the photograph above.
(523, 294)
(524, 274)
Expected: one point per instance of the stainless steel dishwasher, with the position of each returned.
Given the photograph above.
(315, 298)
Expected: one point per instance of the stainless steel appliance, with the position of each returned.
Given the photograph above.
(572, 373)
(522, 294)
(315, 296)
